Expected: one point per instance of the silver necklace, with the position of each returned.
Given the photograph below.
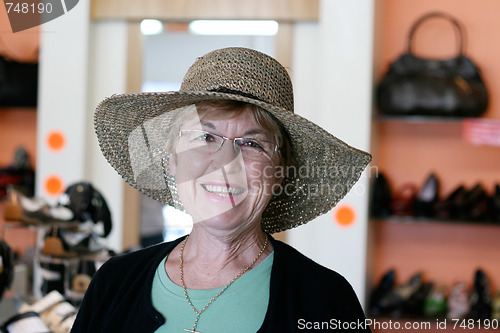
(199, 312)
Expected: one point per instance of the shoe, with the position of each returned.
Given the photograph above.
(458, 301)
(53, 277)
(496, 307)
(477, 201)
(427, 197)
(381, 197)
(54, 246)
(494, 206)
(384, 287)
(481, 297)
(33, 210)
(6, 267)
(403, 201)
(19, 174)
(393, 302)
(414, 306)
(453, 206)
(88, 204)
(81, 281)
(435, 302)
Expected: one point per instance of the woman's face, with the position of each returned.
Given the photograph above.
(229, 188)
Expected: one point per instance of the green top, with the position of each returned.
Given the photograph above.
(241, 308)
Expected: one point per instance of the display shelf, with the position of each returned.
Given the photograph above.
(443, 252)
(433, 325)
(46, 267)
(418, 119)
(430, 221)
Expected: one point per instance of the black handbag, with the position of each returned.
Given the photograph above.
(428, 87)
(18, 83)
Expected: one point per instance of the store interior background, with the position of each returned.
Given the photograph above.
(335, 61)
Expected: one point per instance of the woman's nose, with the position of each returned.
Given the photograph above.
(228, 156)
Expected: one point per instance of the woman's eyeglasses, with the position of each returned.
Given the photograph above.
(209, 143)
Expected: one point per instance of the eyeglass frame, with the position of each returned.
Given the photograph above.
(225, 138)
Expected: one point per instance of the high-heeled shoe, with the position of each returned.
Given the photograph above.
(427, 197)
(394, 301)
(458, 301)
(403, 202)
(414, 306)
(453, 206)
(477, 201)
(384, 287)
(481, 297)
(494, 207)
(380, 205)
(435, 303)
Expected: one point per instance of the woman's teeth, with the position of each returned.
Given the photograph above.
(223, 191)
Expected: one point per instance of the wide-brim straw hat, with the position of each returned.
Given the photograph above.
(132, 130)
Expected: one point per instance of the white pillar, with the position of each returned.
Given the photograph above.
(332, 75)
(62, 102)
(80, 64)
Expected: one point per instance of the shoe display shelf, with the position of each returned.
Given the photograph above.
(54, 267)
(444, 251)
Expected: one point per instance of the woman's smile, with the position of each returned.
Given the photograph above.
(224, 191)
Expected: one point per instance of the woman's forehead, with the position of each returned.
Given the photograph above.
(213, 118)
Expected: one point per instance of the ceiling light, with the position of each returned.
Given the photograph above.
(236, 27)
(151, 27)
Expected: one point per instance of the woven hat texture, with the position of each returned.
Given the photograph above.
(132, 130)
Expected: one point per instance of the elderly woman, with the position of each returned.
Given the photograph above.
(229, 151)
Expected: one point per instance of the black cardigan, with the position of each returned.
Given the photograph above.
(303, 295)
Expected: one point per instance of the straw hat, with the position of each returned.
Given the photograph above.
(132, 131)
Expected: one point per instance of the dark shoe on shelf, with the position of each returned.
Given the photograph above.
(385, 286)
(6, 267)
(478, 203)
(381, 197)
(394, 303)
(453, 206)
(427, 197)
(481, 297)
(414, 306)
(404, 199)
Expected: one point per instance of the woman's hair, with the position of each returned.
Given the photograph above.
(230, 109)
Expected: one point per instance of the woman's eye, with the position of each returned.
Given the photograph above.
(206, 137)
(251, 144)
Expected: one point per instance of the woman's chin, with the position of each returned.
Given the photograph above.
(222, 219)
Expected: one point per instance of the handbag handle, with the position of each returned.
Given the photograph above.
(460, 30)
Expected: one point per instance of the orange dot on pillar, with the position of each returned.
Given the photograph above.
(344, 215)
(53, 185)
(55, 140)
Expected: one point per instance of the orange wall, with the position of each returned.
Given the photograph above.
(408, 152)
(17, 128)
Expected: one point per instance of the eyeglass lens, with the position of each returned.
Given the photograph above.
(209, 143)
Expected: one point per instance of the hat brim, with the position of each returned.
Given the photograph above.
(137, 125)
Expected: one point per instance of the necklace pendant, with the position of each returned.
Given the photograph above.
(191, 331)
